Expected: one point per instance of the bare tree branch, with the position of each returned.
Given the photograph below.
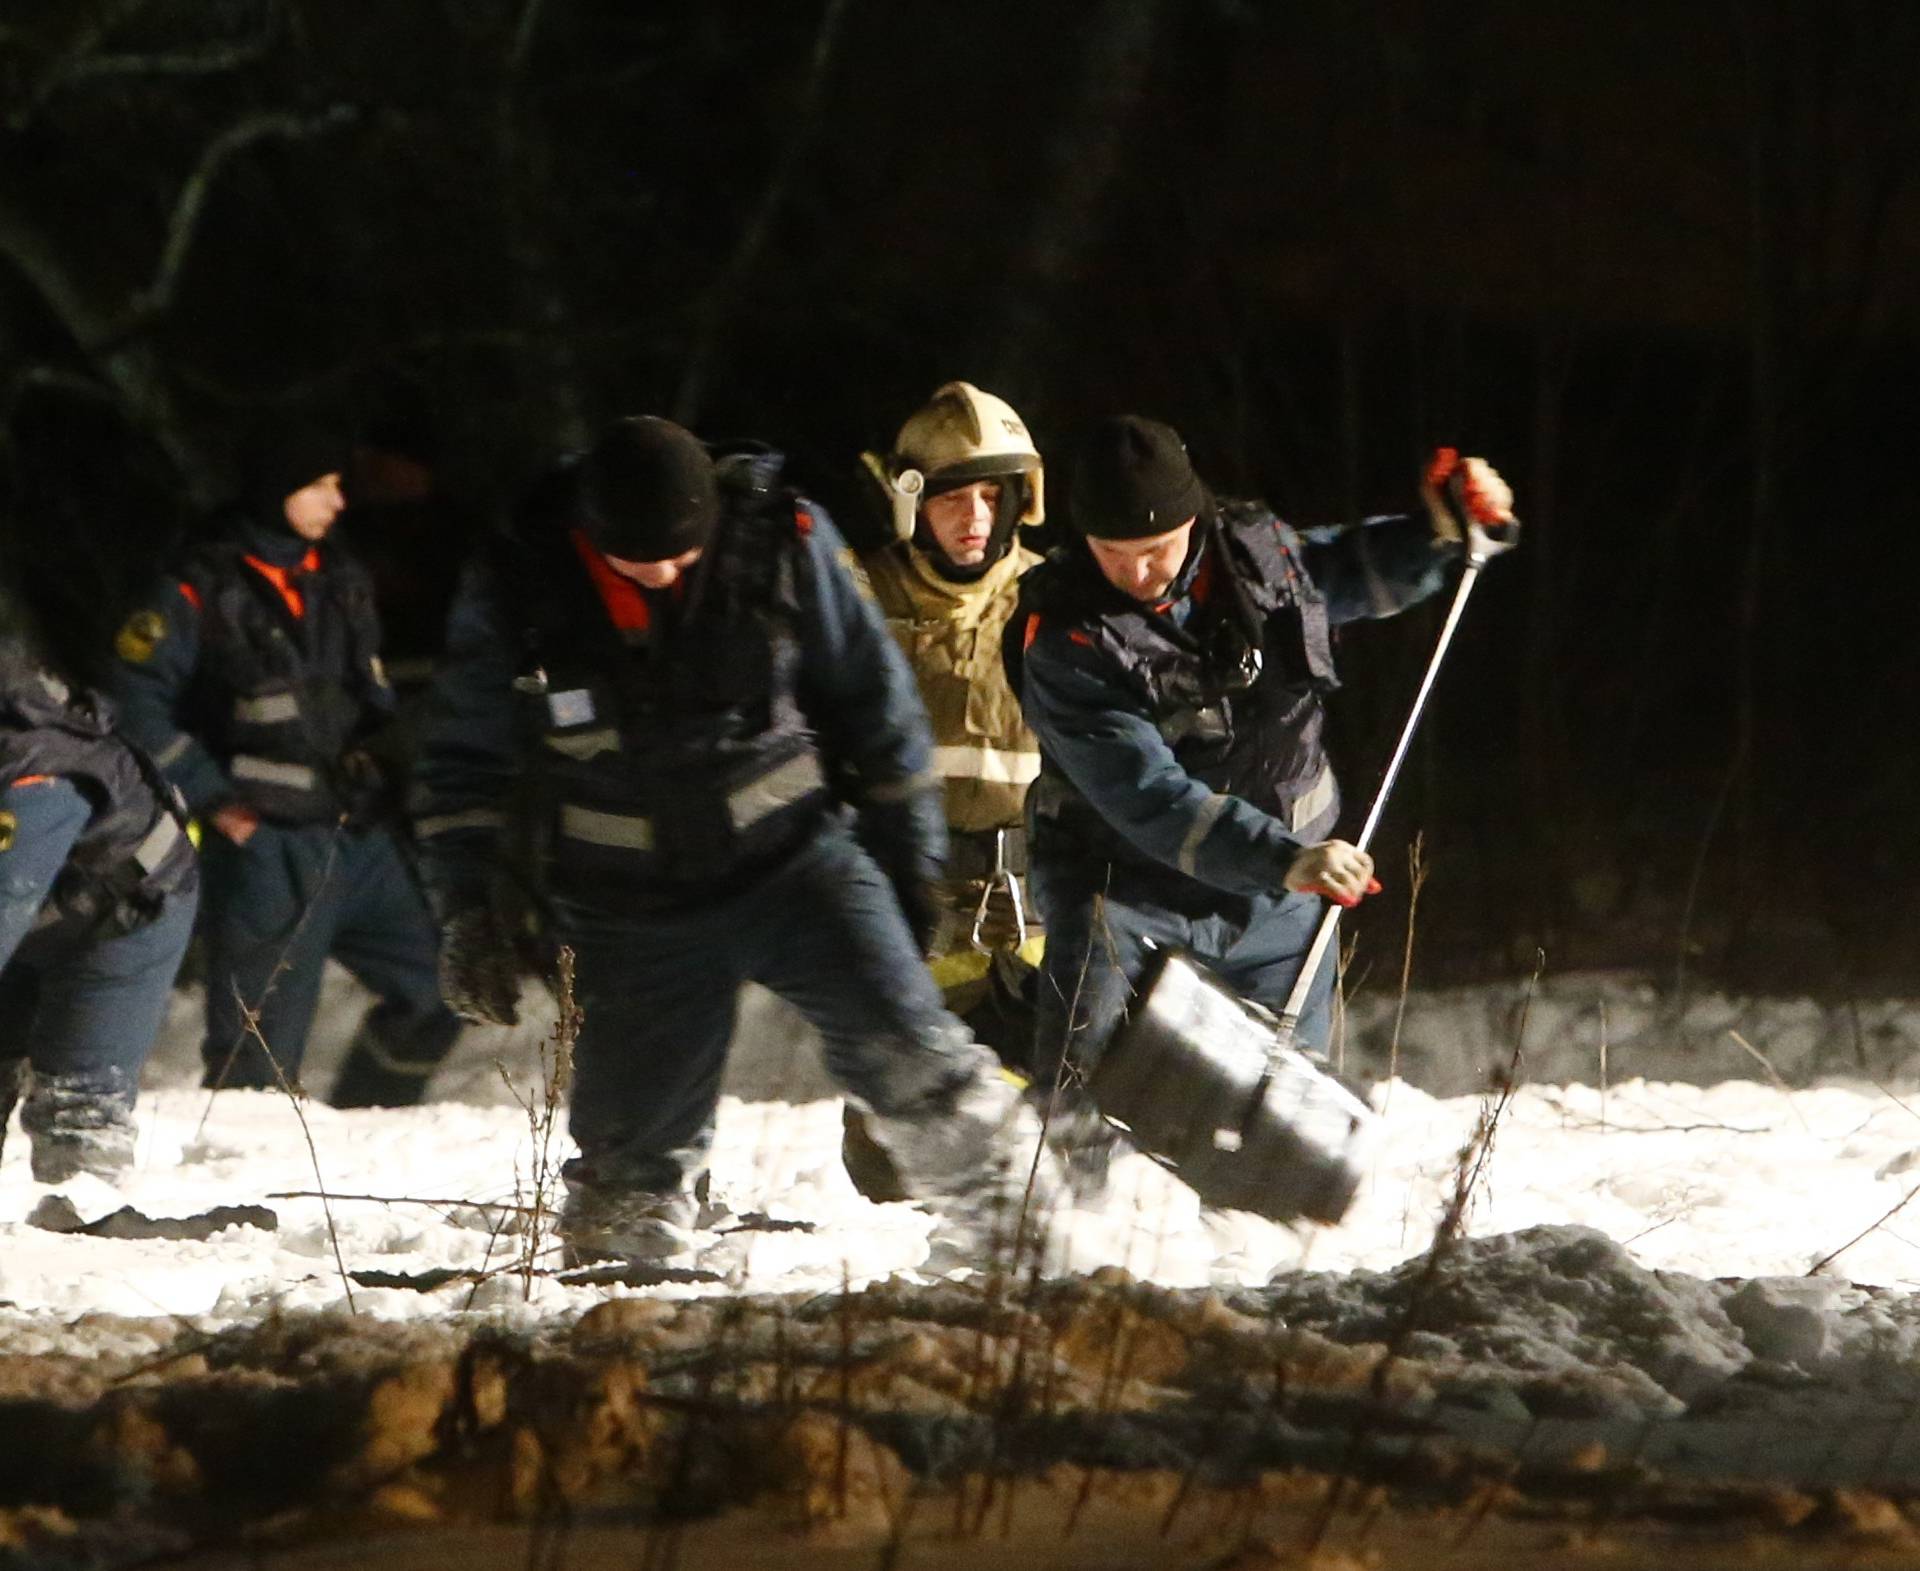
(214, 157)
(79, 49)
(204, 62)
(94, 320)
(523, 35)
(48, 376)
(718, 305)
(25, 243)
(1084, 164)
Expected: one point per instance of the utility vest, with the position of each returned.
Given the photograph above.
(279, 697)
(673, 762)
(134, 850)
(951, 634)
(1237, 694)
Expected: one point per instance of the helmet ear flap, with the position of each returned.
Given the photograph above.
(1035, 512)
(902, 488)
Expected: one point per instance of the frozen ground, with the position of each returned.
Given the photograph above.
(1742, 1178)
(1675, 1302)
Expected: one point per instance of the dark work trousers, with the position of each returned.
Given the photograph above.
(659, 990)
(274, 910)
(1099, 927)
(79, 1006)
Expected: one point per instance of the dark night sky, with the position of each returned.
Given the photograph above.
(1655, 260)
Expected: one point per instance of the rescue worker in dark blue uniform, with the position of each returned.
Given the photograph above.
(671, 652)
(254, 679)
(98, 884)
(1174, 661)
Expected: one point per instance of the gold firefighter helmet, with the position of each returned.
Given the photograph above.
(961, 435)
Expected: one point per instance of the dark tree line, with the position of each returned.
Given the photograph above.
(1657, 261)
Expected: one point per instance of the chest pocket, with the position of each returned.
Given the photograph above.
(992, 712)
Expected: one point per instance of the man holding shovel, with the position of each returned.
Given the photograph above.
(1173, 662)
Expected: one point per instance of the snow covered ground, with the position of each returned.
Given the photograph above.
(1683, 1327)
(1742, 1178)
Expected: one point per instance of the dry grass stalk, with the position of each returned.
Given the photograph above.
(1343, 957)
(298, 1099)
(252, 1016)
(1603, 1065)
(534, 1190)
(1893, 1211)
(511, 1208)
(1470, 1171)
(1779, 1083)
(1416, 881)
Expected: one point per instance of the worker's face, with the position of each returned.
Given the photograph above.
(655, 575)
(1144, 569)
(312, 509)
(961, 521)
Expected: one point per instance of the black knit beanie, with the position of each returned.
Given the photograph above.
(288, 456)
(1134, 480)
(648, 491)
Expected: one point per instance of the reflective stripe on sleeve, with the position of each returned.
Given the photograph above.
(619, 830)
(1203, 822)
(1318, 799)
(994, 764)
(267, 709)
(447, 823)
(269, 771)
(793, 781)
(174, 751)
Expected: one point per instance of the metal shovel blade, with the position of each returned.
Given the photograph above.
(1199, 1082)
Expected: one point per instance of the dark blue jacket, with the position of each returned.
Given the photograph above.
(670, 748)
(1164, 745)
(239, 696)
(68, 776)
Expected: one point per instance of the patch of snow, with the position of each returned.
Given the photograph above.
(1639, 1250)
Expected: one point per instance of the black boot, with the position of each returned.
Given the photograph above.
(867, 1162)
(389, 1067)
(78, 1125)
(607, 1221)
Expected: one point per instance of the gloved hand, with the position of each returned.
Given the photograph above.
(479, 969)
(920, 905)
(1455, 486)
(360, 768)
(906, 837)
(365, 785)
(1336, 869)
(235, 820)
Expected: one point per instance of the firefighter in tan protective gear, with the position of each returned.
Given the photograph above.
(961, 481)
